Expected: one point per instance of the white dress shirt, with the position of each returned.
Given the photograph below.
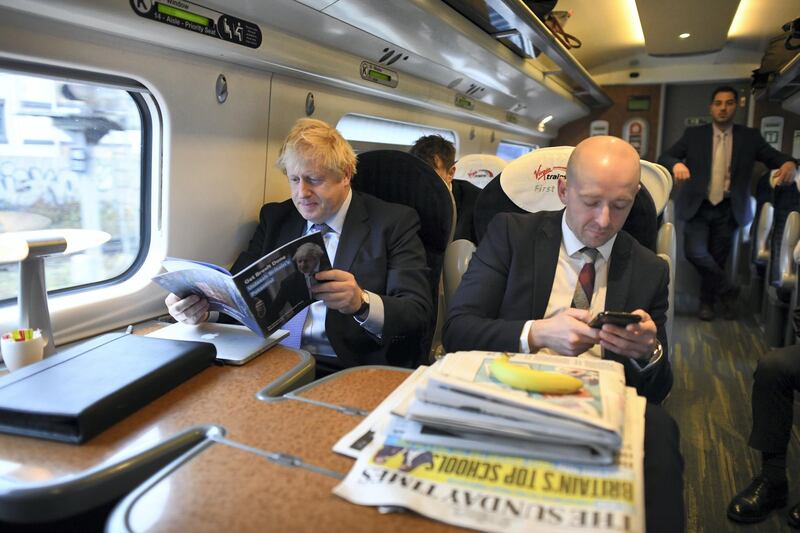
(570, 263)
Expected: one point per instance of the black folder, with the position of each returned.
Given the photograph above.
(77, 393)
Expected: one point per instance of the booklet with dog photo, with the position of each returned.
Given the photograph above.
(263, 296)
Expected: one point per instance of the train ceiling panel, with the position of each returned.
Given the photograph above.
(706, 22)
(442, 60)
(437, 44)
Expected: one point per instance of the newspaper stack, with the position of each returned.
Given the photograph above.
(453, 445)
(459, 404)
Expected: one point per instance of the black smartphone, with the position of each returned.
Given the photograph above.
(617, 318)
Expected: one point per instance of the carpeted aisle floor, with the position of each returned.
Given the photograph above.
(713, 364)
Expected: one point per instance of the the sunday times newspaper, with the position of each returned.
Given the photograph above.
(503, 493)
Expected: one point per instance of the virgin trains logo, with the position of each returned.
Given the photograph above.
(480, 173)
(548, 173)
(546, 178)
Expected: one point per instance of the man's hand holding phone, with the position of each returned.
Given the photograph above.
(635, 340)
(566, 333)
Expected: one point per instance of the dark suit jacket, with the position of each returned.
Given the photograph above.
(510, 278)
(465, 195)
(380, 247)
(694, 150)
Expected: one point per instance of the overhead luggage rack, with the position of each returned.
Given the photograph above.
(786, 82)
(512, 23)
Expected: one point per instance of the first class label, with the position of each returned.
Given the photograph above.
(193, 17)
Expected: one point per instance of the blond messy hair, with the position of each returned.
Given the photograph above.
(319, 142)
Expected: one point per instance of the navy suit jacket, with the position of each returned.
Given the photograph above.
(694, 150)
(510, 277)
(379, 245)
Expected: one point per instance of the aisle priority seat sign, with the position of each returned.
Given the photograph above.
(196, 18)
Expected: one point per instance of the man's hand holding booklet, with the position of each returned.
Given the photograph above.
(263, 296)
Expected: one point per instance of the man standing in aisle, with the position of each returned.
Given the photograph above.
(712, 165)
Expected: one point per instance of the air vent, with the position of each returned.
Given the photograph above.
(390, 56)
(395, 58)
(474, 90)
(388, 53)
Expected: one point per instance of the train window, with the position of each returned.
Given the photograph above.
(371, 133)
(3, 138)
(73, 154)
(509, 150)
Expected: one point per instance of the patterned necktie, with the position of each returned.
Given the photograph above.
(296, 324)
(582, 297)
(322, 228)
(716, 189)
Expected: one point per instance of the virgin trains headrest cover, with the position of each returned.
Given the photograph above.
(531, 181)
(479, 169)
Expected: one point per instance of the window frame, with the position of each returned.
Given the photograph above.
(424, 128)
(151, 125)
(515, 143)
(3, 134)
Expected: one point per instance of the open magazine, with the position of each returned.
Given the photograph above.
(264, 295)
(505, 492)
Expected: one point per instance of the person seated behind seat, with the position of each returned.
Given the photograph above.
(776, 378)
(374, 305)
(440, 153)
(519, 293)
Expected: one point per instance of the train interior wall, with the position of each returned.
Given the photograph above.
(213, 164)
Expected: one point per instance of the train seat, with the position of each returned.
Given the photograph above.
(658, 182)
(793, 314)
(479, 169)
(529, 184)
(780, 283)
(456, 260)
(401, 178)
(760, 254)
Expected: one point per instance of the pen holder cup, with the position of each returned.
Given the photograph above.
(17, 354)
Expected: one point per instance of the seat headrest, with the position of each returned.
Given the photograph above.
(402, 178)
(658, 182)
(479, 169)
(531, 181)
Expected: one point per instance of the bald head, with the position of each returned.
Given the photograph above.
(602, 181)
(605, 155)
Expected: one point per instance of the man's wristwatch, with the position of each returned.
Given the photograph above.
(363, 311)
(654, 357)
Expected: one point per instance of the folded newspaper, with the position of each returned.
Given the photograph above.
(499, 492)
(460, 404)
